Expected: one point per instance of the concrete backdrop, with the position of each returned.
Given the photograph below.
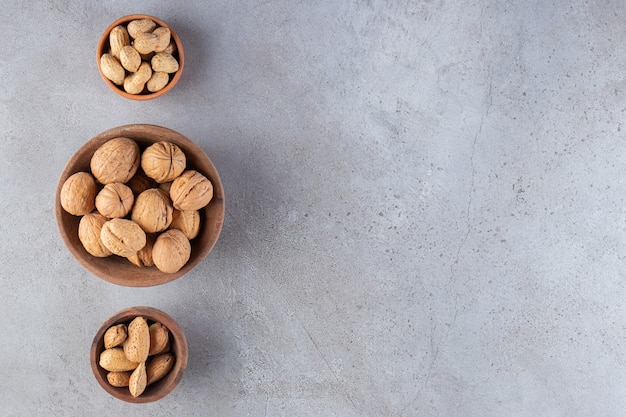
(425, 207)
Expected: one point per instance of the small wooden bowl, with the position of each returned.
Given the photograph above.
(154, 391)
(119, 270)
(103, 47)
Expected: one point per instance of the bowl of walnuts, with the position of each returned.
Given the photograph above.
(140, 57)
(139, 354)
(139, 205)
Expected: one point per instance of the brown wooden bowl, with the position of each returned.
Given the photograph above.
(103, 47)
(119, 270)
(178, 347)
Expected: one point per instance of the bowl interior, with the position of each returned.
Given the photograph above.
(119, 270)
(158, 389)
(103, 47)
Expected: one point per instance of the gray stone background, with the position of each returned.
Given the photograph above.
(425, 207)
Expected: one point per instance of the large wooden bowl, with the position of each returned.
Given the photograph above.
(119, 270)
(103, 47)
(154, 391)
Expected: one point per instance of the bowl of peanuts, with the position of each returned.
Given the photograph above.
(140, 57)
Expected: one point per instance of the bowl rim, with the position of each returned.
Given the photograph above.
(164, 386)
(104, 39)
(99, 266)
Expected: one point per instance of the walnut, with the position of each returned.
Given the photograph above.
(171, 251)
(115, 200)
(78, 194)
(144, 256)
(152, 210)
(115, 161)
(89, 229)
(163, 161)
(140, 182)
(187, 221)
(191, 191)
(123, 237)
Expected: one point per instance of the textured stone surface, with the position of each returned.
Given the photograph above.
(425, 208)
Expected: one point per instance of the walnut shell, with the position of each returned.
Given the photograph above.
(187, 221)
(171, 251)
(191, 191)
(152, 210)
(115, 200)
(123, 237)
(140, 182)
(144, 256)
(116, 160)
(163, 161)
(89, 229)
(78, 194)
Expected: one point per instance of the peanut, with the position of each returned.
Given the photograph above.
(118, 38)
(130, 58)
(158, 81)
(112, 69)
(137, 27)
(164, 62)
(134, 83)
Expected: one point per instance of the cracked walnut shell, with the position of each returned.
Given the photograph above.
(191, 191)
(153, 210)
(171, 251)
(163, 161)
(123, 237)
(115, 200)
(116, 160)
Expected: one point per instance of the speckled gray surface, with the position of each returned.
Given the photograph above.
(425, 208)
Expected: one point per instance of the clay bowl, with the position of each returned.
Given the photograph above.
(178, 346)
(103, 47)
(119, 270)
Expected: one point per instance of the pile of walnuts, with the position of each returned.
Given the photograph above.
(143, 206)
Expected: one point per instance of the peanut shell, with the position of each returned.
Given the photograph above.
(112, 69)
(118, 39)
(139, 26)
(164, 62)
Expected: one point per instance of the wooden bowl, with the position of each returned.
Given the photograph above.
(156, 390)
(119, 270)
(103, 47)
